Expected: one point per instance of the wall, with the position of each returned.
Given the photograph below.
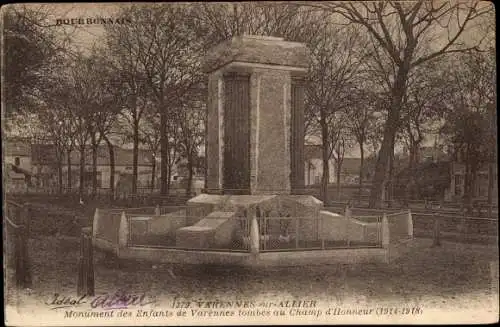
(318, 171)
(24, 162)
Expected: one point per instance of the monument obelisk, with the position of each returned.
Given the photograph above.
(255, 136)
(255, 130)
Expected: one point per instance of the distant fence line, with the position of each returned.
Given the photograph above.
(122, 199)
(440, 224)
(478, 205)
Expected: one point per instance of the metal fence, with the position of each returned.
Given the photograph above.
(456, 228)
(141, 233)
(451, 224)
(172, 227)
(314, 233)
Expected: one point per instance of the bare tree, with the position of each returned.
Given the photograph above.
(32, 48)
(341, 143)
(125, 41)
(217, 22)
(167, 52)
(150, 136)
(191, 127)
(107, 105)
(403, 31)
(425, 103)
(361, 124)
(332, 78)
(470, 127)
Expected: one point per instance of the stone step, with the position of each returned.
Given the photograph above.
(214, 231)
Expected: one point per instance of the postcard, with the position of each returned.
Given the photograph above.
(242, 163)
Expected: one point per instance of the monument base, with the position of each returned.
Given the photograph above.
(302, 206)
(280, 216)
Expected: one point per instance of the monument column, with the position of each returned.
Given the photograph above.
(255, 116)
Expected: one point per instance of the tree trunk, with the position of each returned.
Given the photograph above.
(60, 174)
(94, 166)
(390, 174)
(82, 171)
(390, 129)
(491, 185)
(361, 167)
(169, 178)
(135, 155)
(411, 173)
(164, 149)
(338, 168)
(325, 156)
(190, 173)
(467, 198)
(153, 174)
(68, 163)
(326, 167)
(111, 167)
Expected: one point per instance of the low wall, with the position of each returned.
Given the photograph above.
(336, 227)
(106, 224)
(269, 259)
(168, 224)
(400, 225)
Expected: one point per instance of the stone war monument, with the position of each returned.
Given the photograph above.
(255, 135)
(256, 116)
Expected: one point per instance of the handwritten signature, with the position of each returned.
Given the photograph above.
(117, 300)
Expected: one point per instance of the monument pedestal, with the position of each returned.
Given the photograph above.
(255, 137)
(255, 125)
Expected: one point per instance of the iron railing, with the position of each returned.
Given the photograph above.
(158, 227)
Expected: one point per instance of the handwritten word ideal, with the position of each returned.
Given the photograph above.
(117, 300)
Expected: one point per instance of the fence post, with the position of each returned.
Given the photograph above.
(322, 234)
(437, 232)
(254, 233)
(90, 260)
(410, 224)
(86, 283)
(157, 210)
(385, 231)
(123, 232)
(95, 223)
(19, 255)
(26, 236)
(347, 215)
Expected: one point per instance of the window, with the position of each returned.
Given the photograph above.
(17, 161)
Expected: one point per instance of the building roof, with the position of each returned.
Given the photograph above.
(43, 154)
(123, 157)
(17, 147)
(350, 166)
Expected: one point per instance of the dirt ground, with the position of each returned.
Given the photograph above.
(457, 275)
